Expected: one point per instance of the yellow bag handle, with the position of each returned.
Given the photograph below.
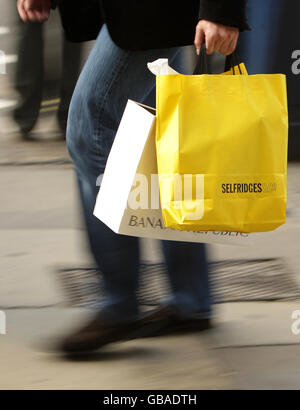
(234, 65)
(239, 69)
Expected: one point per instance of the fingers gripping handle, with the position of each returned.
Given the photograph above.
(202, 66)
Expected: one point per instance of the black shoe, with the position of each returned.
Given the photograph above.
(26, 136)
(165, 321)
(96, 334)
(99, 332)
(25, 123)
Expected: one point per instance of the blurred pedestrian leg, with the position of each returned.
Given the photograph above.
(71, 65)
(30, 76)
(110, 77)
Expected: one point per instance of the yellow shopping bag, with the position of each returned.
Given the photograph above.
(221, 145)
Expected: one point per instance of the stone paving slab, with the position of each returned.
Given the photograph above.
(248, 349)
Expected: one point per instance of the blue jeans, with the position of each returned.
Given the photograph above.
(110, 77)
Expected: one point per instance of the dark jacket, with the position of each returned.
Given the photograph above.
(147, 24)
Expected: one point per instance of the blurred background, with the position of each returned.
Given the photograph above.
(39, 71)
(47, 280)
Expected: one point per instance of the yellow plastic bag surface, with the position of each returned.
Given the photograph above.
(222, 151)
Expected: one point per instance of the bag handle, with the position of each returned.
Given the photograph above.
(202, 66)
(232, 61)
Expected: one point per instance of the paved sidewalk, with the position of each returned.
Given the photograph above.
(47, 146)
(252, 347)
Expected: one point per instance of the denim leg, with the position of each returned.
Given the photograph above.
(110, 77)
(189, 278)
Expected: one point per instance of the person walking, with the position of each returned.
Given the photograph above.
(129, 35)
(30, 77)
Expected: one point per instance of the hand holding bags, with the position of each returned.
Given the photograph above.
(222, 150)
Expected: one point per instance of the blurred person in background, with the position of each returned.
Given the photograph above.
(131, 34)
(30, 79)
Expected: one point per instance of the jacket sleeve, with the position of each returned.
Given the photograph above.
(228, 12)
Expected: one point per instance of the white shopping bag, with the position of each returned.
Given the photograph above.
(128, 199)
